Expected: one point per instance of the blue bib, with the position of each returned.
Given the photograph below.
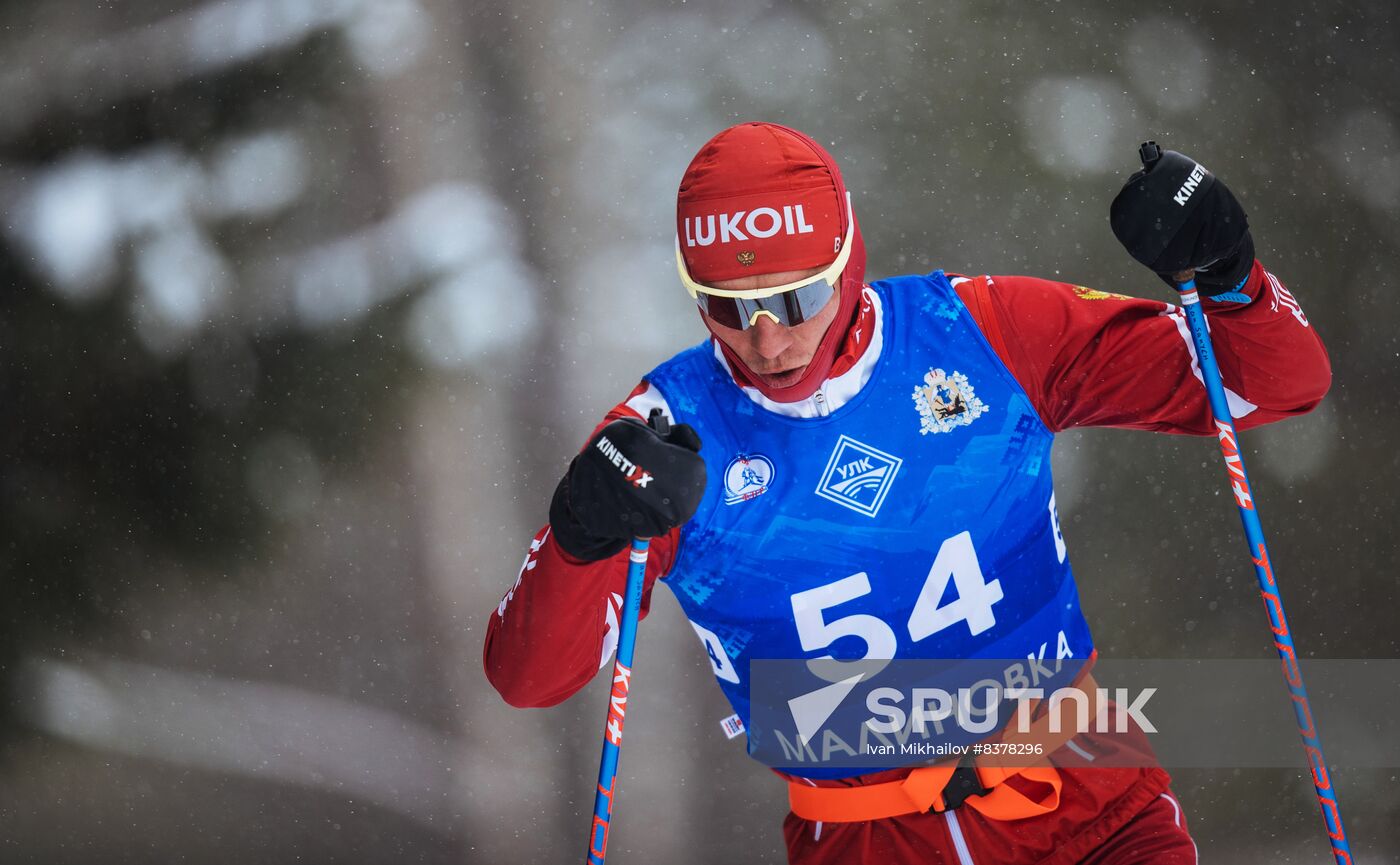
(915, 521)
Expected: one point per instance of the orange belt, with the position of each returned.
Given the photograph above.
(944, 787)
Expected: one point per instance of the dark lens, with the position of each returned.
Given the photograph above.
(811, 299)
(724, 311)
(789, 308)
(792, 305)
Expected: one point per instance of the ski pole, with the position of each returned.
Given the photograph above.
(1263, 570)
(621, 683)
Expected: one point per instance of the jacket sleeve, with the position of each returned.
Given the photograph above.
(1091, 358)
(558, 624)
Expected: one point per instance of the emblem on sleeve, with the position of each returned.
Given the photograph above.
(946, 401)
(747, 477)
(1086, 293)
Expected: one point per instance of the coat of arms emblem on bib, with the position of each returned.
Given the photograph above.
(946, 401)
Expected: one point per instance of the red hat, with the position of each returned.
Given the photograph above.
(763, 198)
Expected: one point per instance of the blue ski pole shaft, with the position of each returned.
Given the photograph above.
(617, 703)
(1264, 573)
(621, 682)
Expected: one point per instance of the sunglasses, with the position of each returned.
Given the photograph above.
(788, 305)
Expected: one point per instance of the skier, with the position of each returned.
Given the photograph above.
(872, 429)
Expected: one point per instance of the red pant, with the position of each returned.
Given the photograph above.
(1105, 817)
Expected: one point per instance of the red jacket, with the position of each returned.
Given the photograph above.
(1084, 357)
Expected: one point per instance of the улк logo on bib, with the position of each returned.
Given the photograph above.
(946, 401)
(747, 477)
(858, 476)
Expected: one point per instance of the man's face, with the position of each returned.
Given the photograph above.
(775, 353)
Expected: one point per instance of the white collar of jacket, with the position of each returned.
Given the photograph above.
(834, 392)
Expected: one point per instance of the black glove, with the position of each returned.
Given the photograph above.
(1174, 215)
(630, 481)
